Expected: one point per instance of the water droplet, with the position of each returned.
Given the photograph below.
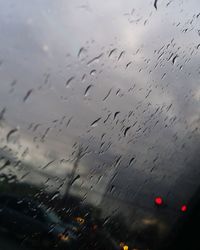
(24, 176)
(11, 178)
(126, 130)
(170, 57)
(75, 178)
(107, 118)
(87, 89)
(36, 126)
(131, 160)
(121, 54)
(56, 195)
(69, 81)
(2, 113)
(128, 64)
(155, 4)
(155, 159)
(13, 83)
(93, 72)
(115, 114)
(95, 59)
(148, 93)
(6, 163)
(94, 123)
(163, 76)
(83, 77)
(11, 132)
(69, 121)
(117, 93)
(27, 94)
(102, 136)
(107, 95)
(169, 107)
(81, 50)
(62, 120)
(111, 52)
(49, 163)
(174, 59)
(112, 188)
(117, 162)
(45, 134)
(103, 143)
(161, 55)
(25, 153)
(46, 78)
(169, 3)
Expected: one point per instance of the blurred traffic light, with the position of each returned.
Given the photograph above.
(183, 208)
(158, 201)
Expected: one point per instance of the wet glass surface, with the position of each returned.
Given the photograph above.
(99, 122)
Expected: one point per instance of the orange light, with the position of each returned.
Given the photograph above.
(80, 220)
(63, 237)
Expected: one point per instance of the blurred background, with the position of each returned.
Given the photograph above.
(99, 115)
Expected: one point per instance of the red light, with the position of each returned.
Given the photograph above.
(158, 201)
(183, 208)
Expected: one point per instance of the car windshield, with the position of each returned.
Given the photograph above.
(100, 123)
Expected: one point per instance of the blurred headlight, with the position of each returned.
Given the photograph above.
(63, 237)
(80, 220)
(123, 246)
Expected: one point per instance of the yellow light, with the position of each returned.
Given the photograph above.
(80, 220)
(123, 246)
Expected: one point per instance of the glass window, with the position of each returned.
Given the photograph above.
(100, 121)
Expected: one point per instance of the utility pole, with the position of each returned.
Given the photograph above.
(72, 176)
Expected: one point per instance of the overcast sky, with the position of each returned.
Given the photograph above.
(129, 67)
